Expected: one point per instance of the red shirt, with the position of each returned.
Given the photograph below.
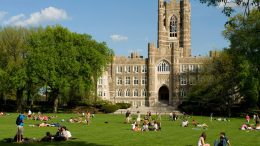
(247, 117)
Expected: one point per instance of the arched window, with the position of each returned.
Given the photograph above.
(135, 92)
(119, 92)
(173, 27)
(127, 92)
(144, 93)
(163, 66)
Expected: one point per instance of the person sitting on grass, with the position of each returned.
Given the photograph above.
(194, 123)
(145, 126)
(136, 128)
(66, 133)
(202, 140)
(257, 127)
(223, 140)
(47, 138)
(62, 134)
(247, 127)
(185, 123)
(133, 125)
(156, 126)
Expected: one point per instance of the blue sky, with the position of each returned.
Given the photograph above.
(125, 25)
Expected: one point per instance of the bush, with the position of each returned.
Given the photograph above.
(106, 106)
(109, 108)
(123, 105)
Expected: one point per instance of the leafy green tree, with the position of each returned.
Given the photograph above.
(233, 77)
(219, 86)
(13, 48)
(245, 43)
(66, 62)
(229, 6)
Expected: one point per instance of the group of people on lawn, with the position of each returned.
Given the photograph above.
(223, 140)
(145, 124)
(62, 134)
(249, 126)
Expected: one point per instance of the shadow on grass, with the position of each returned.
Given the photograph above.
(64, 143)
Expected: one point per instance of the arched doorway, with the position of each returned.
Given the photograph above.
(164, 95)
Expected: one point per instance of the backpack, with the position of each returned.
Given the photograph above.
(18, 120)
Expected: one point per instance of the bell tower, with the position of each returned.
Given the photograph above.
(174, 25)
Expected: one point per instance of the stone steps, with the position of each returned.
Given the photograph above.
(155, 109)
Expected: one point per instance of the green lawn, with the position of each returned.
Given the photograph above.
(116, 133)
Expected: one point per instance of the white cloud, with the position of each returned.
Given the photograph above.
(49, 14)
(228, 4)
(232, 3)
(118, 38)
(2, 15)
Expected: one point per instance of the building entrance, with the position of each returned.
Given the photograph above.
(164, 95)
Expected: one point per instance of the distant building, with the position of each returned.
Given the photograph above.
(169, 71)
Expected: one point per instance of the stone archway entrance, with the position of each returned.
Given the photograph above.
(164, 95)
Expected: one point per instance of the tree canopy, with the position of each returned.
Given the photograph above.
(65, 62)
(230, 6)
(233, 79)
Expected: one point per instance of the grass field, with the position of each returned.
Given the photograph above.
(116, 133)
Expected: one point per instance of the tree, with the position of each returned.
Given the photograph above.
(243, 34)
(13, 48)
(218, 90)
(229, 6)
(233, 77)
(66, 61)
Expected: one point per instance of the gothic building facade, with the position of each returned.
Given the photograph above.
(168, 73)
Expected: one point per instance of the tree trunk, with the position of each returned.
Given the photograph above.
(1, 98)
(55, 105)
(54, 96)
(2, 101)
(19, 100)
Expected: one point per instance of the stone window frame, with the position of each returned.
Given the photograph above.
(135, 92)
(144, 68)
(135, 79)
(135, 68)
(127, 80)
(173, 26)
(183, 93)
(144, 80)
(119, 80)
(100, 92)
(183, 80)
(127, 92)
(119, 69)
(144, 92)
(183, 68)
(100, 81)
(127, 69)
(163, 66)
(193, 67)
(119, 92)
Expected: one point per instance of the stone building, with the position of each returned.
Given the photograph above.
(166, 76)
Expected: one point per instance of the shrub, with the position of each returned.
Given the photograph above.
(123, 105)
(106, 106)
(109, 108)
